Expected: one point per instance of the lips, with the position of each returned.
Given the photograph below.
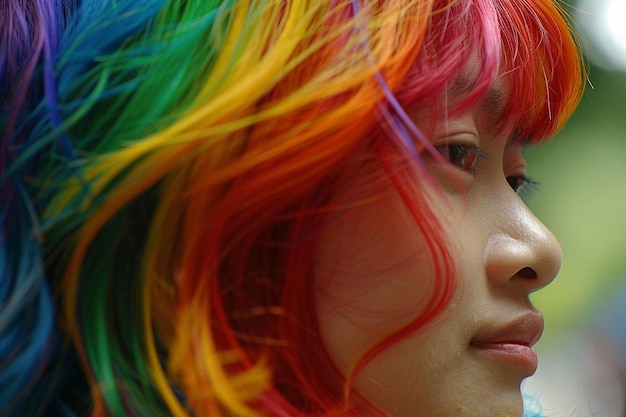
(512, 341)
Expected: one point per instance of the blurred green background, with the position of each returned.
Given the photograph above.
(582, 199)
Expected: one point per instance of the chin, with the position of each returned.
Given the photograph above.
(507, 406)
(480, 410)
(488, 403)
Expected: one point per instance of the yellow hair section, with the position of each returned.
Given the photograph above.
(250, 96)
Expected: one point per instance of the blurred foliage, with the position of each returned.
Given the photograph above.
(582, 199)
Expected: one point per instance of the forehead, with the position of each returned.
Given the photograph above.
(493, 99)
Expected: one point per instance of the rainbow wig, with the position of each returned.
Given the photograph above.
(166, 167)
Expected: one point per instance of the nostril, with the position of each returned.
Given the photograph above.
(527, 273)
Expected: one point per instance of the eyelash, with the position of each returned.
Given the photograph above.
(523, 185)
(470, 158)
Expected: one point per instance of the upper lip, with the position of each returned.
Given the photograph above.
(524, 330)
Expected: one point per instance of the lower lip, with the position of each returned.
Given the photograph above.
(520, 355)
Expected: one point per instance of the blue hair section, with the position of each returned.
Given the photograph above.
(98, 28)
(45, 47)
(88, 31)
(28, 36)
(27, 316)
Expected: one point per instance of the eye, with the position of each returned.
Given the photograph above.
(521, 184)
(463, 156)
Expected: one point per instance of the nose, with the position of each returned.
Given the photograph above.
(521, 250)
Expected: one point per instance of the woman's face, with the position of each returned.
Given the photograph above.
(373, 274)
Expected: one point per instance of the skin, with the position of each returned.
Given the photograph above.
(373, 274)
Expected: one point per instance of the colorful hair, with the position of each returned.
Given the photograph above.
(167, 166)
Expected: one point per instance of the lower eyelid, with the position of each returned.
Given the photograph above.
(450, 178)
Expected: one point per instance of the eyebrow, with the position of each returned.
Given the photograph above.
(496, 101)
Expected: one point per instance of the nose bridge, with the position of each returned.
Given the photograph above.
(520, 246)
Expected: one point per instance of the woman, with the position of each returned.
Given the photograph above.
(285, 208)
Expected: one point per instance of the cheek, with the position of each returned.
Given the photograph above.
(372, 275)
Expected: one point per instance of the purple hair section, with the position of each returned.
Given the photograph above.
(396, 121)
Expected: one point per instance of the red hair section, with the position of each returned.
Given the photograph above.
(246, 270)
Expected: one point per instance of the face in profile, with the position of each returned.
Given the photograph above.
(374, 274)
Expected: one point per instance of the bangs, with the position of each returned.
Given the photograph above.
(526, 46)
(541, 62)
